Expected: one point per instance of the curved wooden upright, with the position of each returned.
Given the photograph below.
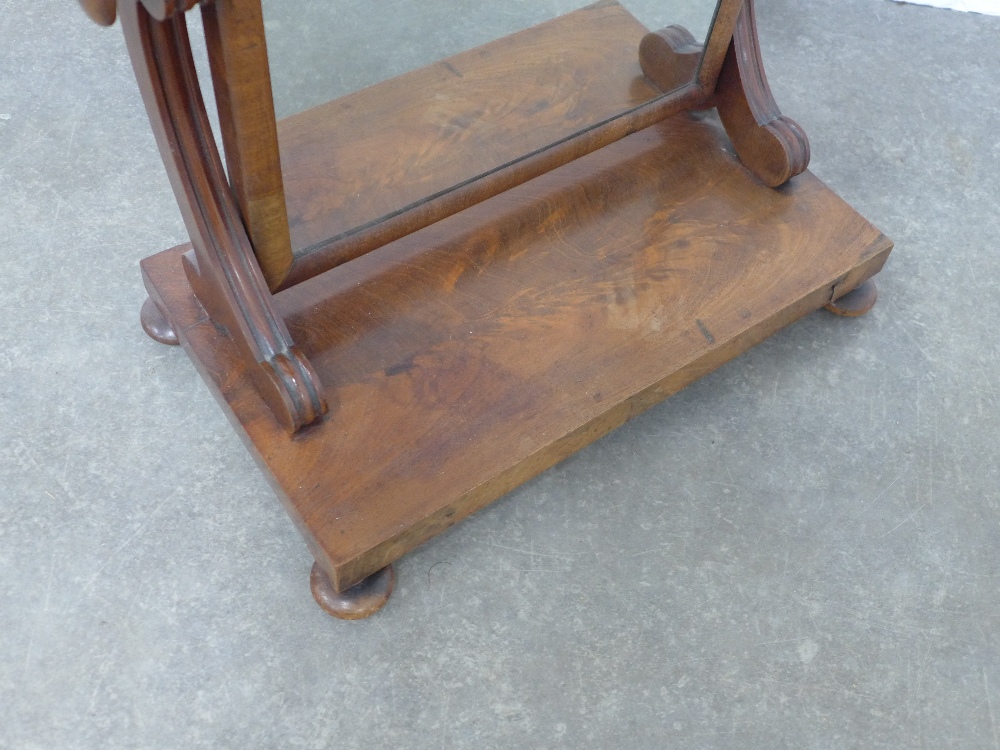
(772, 146)
(222, 268)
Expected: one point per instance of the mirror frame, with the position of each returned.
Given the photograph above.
(241, 79)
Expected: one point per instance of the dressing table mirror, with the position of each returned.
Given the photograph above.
(438, 252)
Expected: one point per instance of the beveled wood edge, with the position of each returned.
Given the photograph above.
(222, 269)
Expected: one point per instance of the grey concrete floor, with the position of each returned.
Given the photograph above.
(801, 550)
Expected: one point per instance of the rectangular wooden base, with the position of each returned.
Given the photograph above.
(465, 359)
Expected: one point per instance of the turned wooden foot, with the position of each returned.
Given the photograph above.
(100, 11)
(361, 600)
(155, 324)
(856, 302)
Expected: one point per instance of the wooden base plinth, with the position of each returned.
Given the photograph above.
(359, 601)
(465, 359)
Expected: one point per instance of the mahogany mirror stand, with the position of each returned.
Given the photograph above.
(407, 371)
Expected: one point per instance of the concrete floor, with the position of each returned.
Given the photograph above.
(801, 550)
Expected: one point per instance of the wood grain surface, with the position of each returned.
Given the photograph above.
(462, 360)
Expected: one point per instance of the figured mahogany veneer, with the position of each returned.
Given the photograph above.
(468, 357)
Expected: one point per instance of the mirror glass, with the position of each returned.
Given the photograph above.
(382, 104)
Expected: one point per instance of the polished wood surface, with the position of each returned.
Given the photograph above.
(466, 358)
(371, 153)
(482, 334)
(592, 52)
(233, 283)
(237, 52)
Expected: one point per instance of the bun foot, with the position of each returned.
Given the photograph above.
(856, 302)
(155, 324)
(356, 603)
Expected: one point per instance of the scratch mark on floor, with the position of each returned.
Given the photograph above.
(989, 706)
(908, 518)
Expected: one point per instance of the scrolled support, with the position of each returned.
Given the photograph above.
(221, 267)
(772, 146)
(161, 10)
